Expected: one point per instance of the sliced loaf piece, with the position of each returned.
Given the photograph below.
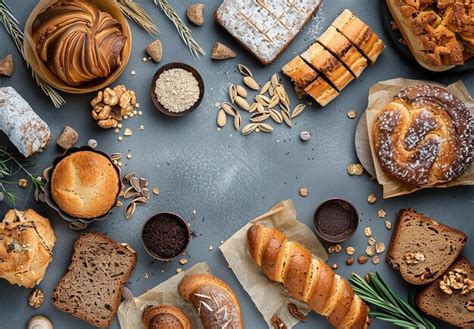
(453, 308)
(300, 73)
(321, 91)
(421, 248)
(92, 285)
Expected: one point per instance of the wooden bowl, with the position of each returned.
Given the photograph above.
(183, 66)
(340, 213)
(42, 70)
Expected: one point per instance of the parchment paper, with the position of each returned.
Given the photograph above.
(380, 95)
(270, 297)
(130, 311)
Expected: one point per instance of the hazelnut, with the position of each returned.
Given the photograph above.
(350, 261)
(362, 259)
(36, 298)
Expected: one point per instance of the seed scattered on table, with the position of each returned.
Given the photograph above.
(303, 191)
(350, 251)
(367, 231)
(355, 169)
(372, 198)
(352, 114)
(388, 225)
(305, 135)
(381, 213)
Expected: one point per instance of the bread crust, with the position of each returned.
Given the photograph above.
(165, 316)
(210, 295)
(85, 184)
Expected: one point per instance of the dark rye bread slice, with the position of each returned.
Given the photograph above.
(437, 243)
(92, 285)
(449, 308)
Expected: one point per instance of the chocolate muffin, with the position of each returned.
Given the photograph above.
(85, 184)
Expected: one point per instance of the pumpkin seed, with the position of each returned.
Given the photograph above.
(232, 93)
(262, 99)
(241, 91)
(221, 118)
(229, 109)
(266, 128)
(286, 118)
(297, 110)
(244, 70)
(126, 178)
(259, 117)
(130, 210)
(277, 117)
(249, 128)
(237, 121)
(244, 105)
(251, 83)
(265, 87)
(135, 182)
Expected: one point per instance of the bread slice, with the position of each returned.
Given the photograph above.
(343, 49)
(360, 34)
(321, 292)
(92, 285)
(357, 317)
(449, 308)
(421, 248)
(328, 65)
(300, 73)
(321, 91)
(298, 266)
(270, 260)
(341, 304)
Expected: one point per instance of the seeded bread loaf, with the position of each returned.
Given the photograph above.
(92, 285)
(421, 248)
(455, 308)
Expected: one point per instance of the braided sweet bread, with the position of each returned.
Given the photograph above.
(423, 136)
(77, 41)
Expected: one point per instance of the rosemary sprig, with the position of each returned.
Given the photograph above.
(11, 26)
(136, 13)
(183, 31)
(390, 307)
(9, 166)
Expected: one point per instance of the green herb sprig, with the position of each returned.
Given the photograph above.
(9, 167)
(13, 29)
(136, 13)
(183, 31)
(389, 306)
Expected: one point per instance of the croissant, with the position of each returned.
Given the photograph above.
(77, 41)
(306, 277)
(423, 136)
(165, 317)
(215, 302)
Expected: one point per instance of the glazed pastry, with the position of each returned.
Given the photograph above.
(215, 302)
(360, 34)
(423, 137)
(306, 278)
(26, 247)
(300, 73)
(78, 42)
(341, 47)
(165, 317)
(328, 65)
(85, 184)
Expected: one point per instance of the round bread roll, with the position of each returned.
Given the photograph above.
(85, 184)
(424, 136)
(165, 317)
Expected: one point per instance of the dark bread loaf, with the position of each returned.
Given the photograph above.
(421, 248)
(92, 285)
(452, 308)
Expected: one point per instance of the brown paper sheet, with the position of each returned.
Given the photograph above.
(130, 311)
(270, 297)
(380, 95)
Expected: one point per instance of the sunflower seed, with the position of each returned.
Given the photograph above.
(237, 121)
(245, 70)
(251, 83)
(116, 156)
(232, 93)
(140, 200)
(221, 118)
(135, 182)
(297, 110)
(143, 182)
(130, 210)
(130, 193)
(276, 116)
(274, 101)
(146, 193)
(126, 178)
(286, 118)
(242, 103)
(262, 99)
(266, 128)
(241, 91)
(156, 191)
(229, 109)
(265, 87)
(249, 128)
(259, 117)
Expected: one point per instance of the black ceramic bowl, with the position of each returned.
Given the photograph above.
(166, 231)
(185, 67)
(335, 220)
(75, 223)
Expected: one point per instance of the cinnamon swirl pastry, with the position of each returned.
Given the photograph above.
(424, 136)
(77, 41)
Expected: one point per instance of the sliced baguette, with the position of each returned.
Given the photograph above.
(298, 268)
(438, 244)
(321, 91)
(299, 72)
(92, 285)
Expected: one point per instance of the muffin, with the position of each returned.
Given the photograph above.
(85, 184)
